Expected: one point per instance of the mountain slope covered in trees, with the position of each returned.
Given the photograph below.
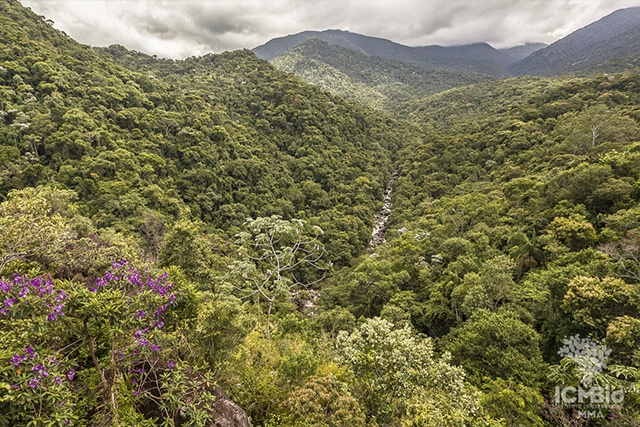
(474, 58)
(615, 35)
(224, 136)
(375, 81)
(185, 243)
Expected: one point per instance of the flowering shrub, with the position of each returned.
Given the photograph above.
(136, 308)
(111, 333)
(35, 373)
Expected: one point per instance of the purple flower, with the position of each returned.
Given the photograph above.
(17, 359)
(158, 324)
(140, 314)
(171, 364)
(135, 279)
(4, 286)
(30, 351)
(117, 264)
(155, 347)
(34, 383)
(57, 380)
(71, 374)
(160, 310)
(61, 297)
(23, 292)
(9, 302)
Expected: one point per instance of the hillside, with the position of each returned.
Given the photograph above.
(615, 35)
(370, 80)
(226, 136)
(476, 58)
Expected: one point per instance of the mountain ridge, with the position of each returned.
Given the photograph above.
(611, 43)
(614, 35)
(373, 80)
(477, 57)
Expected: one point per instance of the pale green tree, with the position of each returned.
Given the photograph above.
(276, 256)
(396, 377)
(30, 228)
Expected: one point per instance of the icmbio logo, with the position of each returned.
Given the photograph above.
(590, 359)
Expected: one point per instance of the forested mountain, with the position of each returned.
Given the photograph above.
(224, 136)
(384, 74)
(615, 35)
(186, 242)
(371, 80)
(475, 58)
(518, 53)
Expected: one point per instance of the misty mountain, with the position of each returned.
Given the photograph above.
(474, 58)
(614, 36)
(518, 53)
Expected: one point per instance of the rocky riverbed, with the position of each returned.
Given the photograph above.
(381, 218)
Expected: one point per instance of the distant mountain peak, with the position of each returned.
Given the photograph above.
(477, 57)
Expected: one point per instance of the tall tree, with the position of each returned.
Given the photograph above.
(276, 256)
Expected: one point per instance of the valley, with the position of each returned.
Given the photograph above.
(311, 235)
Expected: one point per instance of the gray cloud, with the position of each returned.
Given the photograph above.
(181, 28)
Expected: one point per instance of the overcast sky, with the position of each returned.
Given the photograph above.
(181, 28)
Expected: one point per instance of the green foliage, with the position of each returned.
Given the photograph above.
(592, 303)
(140, 139)
(514, 403)
(276, 257)
(30, 229)
(323, 401)
(371, 80)
(497, 345)
(396, 376)
(514, 224)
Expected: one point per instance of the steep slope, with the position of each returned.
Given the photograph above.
(372, 80)
(475, 58)
(218, 138)
(615, 35)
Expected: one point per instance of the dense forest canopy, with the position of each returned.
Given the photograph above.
(186, 243)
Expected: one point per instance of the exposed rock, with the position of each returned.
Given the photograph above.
(305, 299)
(381, 218)
(226, 413)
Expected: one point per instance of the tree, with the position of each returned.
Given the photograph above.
(592, 302)
(576, 231)
(324, 402)
(626, 256)
(490, 288)
(30, 229)
(525, 252)
(497, 345)
(276, 256)
(66, 347)
(396, 376)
